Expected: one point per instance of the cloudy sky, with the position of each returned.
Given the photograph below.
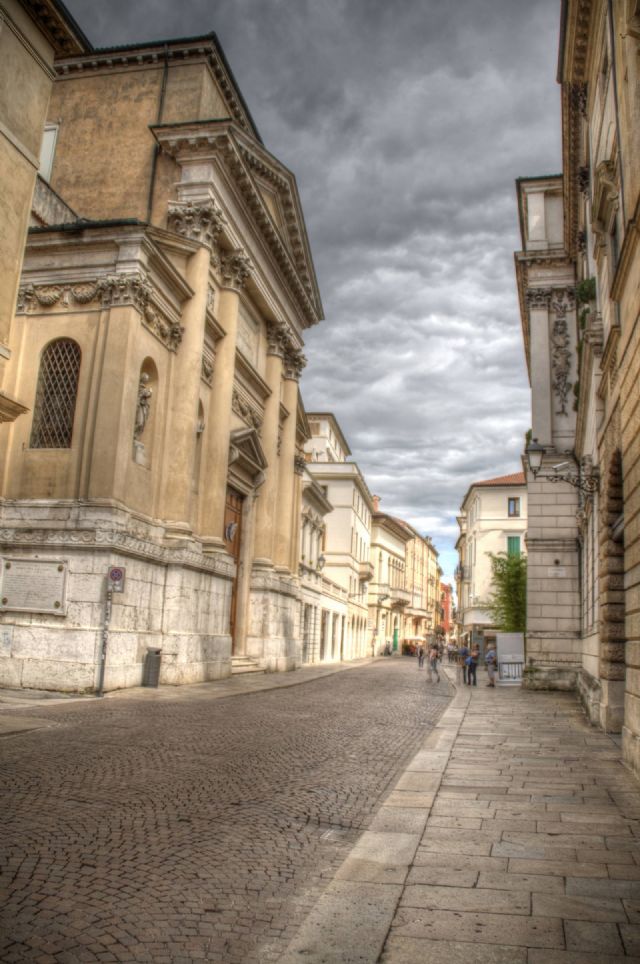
(406, 123)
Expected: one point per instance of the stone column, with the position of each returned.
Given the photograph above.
(235, 269)
(298, 469)
(266, 507)
(284, 530)
(183, 407)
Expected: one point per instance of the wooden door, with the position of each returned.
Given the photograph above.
(233, 541)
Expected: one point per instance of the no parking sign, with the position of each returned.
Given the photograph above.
(115, 578)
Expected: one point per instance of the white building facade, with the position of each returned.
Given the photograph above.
(492, 520)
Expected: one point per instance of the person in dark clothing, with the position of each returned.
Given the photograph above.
(472, 669)
(463, 654)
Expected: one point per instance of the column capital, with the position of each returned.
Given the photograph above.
(234, 268)
(294, 362)
(299, 464)
(198, 221)
(277, 335)
(539, 299)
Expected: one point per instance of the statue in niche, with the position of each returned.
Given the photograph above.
(143, 406)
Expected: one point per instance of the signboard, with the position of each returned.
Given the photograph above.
(115, 578)
(557, 572)
(34, 586)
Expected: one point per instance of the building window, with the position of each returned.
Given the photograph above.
(47, 150)
(513, 545)
(56, 394)
(514, 507)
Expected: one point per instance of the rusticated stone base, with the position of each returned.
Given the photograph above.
(274, 631)
(549, 678)
(590, 693)
(175, 599)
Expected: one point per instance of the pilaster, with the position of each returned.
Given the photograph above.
(293, 364)
(266, 507)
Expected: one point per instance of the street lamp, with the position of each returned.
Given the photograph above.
(535, 452)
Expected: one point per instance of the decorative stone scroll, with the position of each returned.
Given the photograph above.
(563, 301)
(206, 370)
(299, 464)
(197, 222)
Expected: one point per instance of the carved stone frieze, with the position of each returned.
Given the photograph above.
(247, 412)
(197, 222)
(234, 268)
(579, 98)
(583, 178)
(118, 290)
(562, 301)
(539, 299)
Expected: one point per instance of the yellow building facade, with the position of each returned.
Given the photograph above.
(158, 344)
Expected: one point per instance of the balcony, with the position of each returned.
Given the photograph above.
(365, 571)
(399, 597)
(463, 573)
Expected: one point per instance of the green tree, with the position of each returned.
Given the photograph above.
(508, 599)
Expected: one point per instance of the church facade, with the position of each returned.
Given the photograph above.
(151, 495)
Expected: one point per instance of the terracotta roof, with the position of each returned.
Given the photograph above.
(516, 478)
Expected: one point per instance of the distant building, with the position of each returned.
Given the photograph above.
(492, 520)
(446, 602)
(346, 545)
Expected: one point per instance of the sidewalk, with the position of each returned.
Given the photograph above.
(513, 837)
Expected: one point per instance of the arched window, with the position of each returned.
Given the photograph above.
(56, 395)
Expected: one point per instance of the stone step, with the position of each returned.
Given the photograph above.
(244, 664)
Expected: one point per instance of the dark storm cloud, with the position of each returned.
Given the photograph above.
(406, 123)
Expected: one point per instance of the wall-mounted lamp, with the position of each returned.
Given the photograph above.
(320, 563)
(535, 453)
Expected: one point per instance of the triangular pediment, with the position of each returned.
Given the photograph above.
(246, 449)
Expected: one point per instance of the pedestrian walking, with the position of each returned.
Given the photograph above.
(420, 656)
(491, 659)
(472, 665)
(463, 656)
(434, 655)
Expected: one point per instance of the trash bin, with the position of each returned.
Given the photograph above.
(151, 668)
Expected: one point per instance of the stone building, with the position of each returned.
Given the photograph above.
(158, 345)
(492, 520)
(346, 539)
(594, 284)
(31, 37)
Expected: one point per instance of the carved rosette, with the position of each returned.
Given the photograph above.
(197, 222)
(249, 415)
(539, 299)
(234, 268)
(562, 301)
(294, 362)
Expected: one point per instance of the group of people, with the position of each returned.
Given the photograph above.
(467, 658)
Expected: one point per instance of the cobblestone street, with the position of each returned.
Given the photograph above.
(183, 830)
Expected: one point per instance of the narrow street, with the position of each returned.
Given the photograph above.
(183, 830)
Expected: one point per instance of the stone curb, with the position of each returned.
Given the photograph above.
(350, 922)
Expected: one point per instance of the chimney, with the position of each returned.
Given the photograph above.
(376, 503)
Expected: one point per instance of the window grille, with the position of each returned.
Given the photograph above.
(56, 394)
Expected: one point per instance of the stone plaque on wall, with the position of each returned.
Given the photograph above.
(33, 586)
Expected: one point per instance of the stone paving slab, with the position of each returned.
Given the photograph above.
(529, 851)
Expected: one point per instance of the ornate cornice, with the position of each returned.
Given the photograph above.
(112, 291)
(234, 269)
(197, 222)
